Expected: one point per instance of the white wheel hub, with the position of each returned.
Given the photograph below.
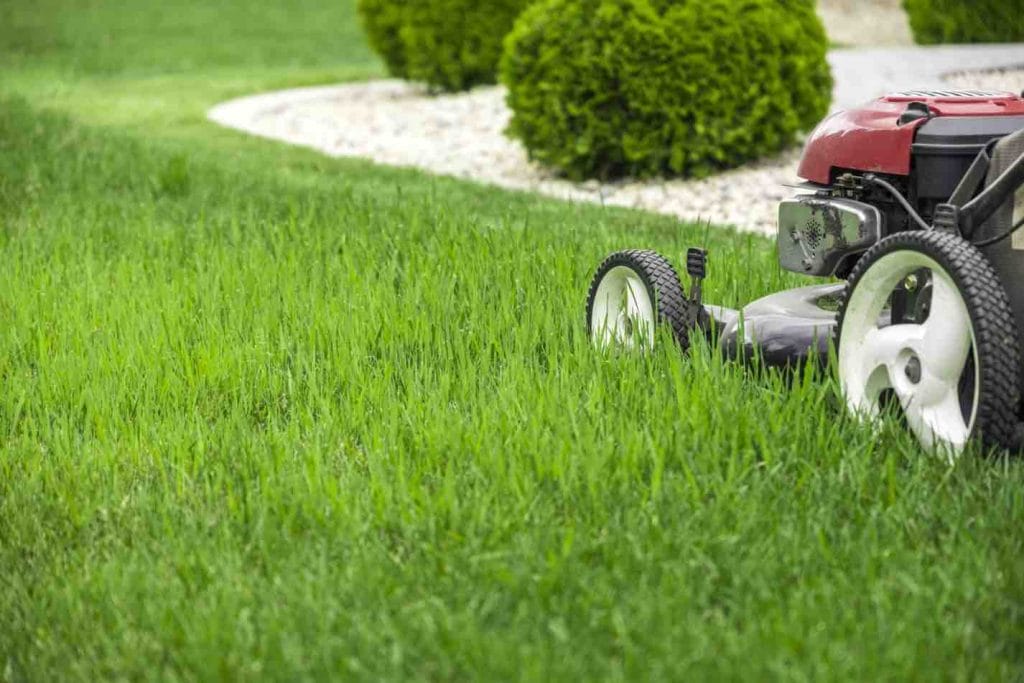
(923, 364)
(623, 313)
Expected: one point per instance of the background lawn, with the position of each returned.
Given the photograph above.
(265, 413)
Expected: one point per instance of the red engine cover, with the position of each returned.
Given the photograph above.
(872, 139)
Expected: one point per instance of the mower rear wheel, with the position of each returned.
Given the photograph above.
(953, 362)
(631, 294)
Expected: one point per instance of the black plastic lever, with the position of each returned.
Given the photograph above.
(697, 269)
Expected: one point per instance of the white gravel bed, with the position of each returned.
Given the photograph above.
(399, 124)
(1011, 80)
(862, 23)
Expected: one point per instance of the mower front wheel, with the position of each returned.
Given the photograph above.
(631, 294)
(926, 321)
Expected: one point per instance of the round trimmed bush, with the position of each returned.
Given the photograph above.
(382, 21)
(966, 21)
(606, 88)
(447, 44)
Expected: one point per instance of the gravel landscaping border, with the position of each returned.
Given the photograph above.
(399, 124)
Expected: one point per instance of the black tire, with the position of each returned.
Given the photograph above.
(996, 337)
(663, 288)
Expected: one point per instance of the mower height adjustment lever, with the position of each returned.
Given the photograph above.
(947, 218)
(697, 268)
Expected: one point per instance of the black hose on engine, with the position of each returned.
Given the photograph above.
(898, 196)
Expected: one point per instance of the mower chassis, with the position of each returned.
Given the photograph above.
(782, 330)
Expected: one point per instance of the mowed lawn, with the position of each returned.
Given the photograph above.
(267, 414)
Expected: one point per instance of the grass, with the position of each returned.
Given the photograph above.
(267, 414)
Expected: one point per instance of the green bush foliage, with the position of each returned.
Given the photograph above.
(606, 88)
(448, 44)
(382, 20)
(966, 21)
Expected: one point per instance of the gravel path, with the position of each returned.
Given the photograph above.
(856, 23)
(395, 123)
(1011, 80)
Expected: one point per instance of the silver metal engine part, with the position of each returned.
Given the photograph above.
(817, 233)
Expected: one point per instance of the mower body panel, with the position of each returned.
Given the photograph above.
(783, 329)
(861, 139)
(878, 137)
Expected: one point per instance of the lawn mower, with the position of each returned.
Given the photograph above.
(910, 208)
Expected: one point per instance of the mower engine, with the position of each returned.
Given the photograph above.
(924, 144)
(915, 201)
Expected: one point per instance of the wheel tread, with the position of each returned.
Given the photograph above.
(662, 280)
(995, 330)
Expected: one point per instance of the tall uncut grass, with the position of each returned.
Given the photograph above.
(266, 414)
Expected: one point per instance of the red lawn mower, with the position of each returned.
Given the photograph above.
(914, 204)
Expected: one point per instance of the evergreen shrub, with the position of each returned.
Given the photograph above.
(448, 44)
(607, 88)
